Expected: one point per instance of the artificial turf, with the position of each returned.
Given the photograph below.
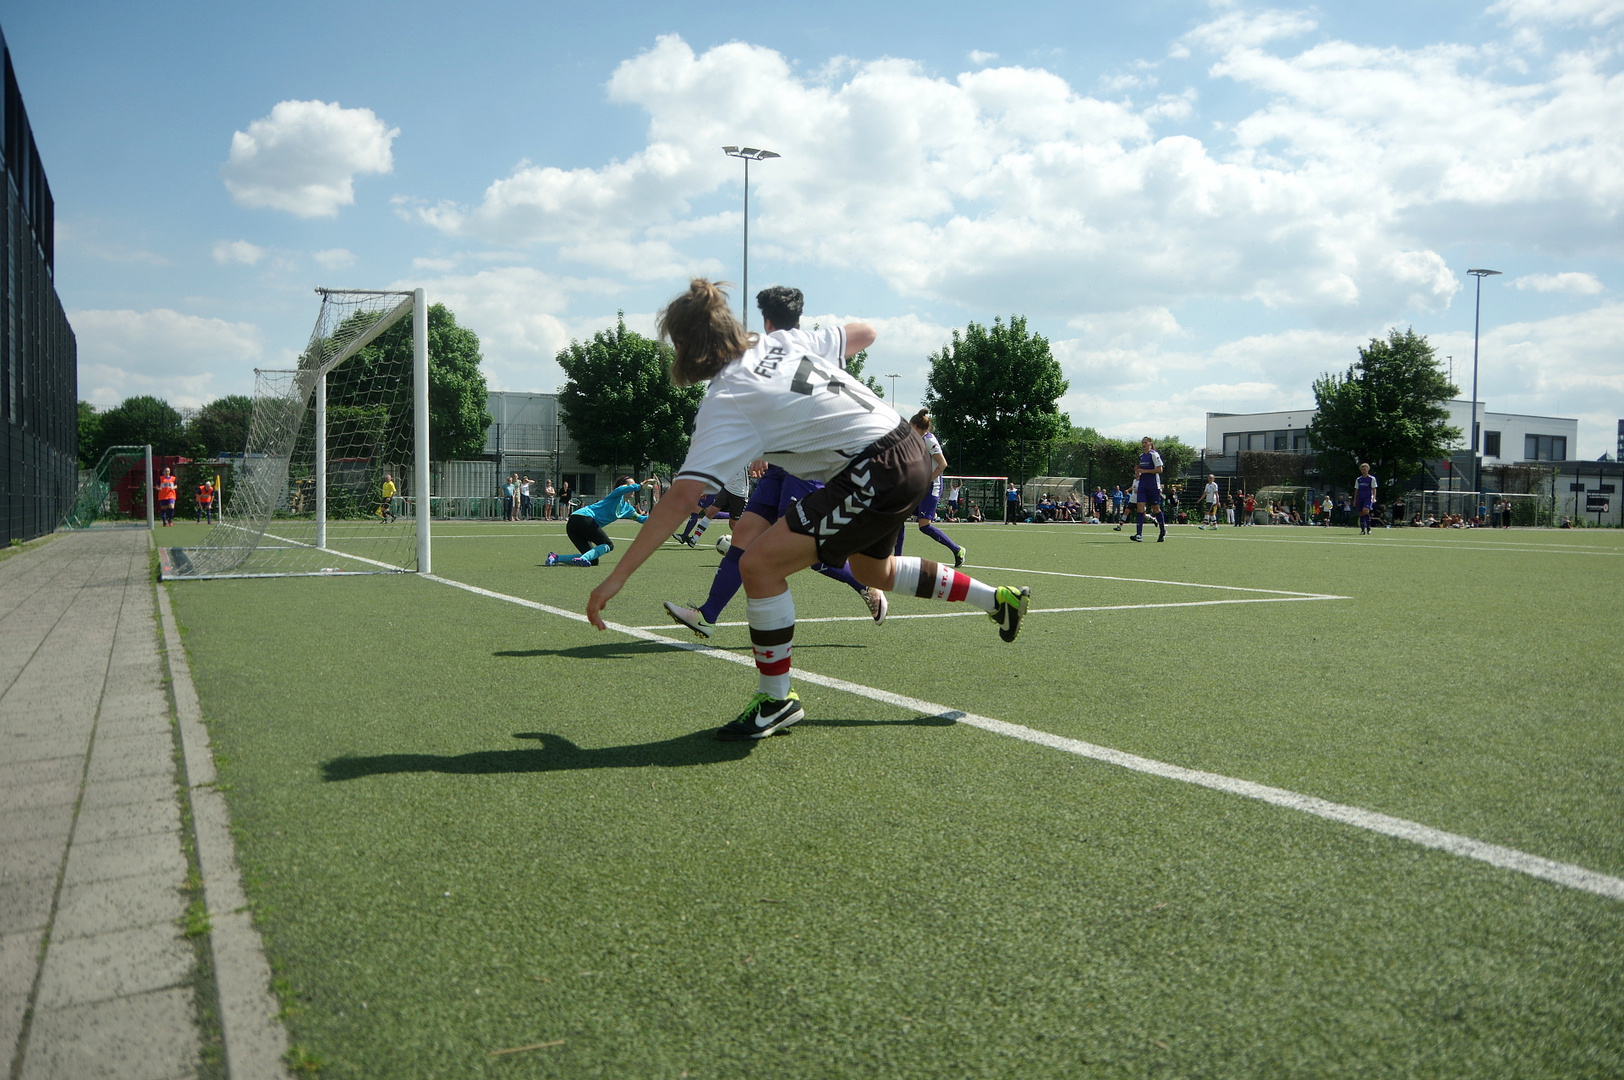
(470, 826)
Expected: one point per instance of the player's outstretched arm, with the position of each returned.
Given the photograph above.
(859, 336)
(667, 517)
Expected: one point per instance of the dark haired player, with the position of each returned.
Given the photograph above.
(926, 514)
(1148, 489)
(769, 397)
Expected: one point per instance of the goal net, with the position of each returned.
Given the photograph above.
(985, 493)
(115, 491)
(337, 453)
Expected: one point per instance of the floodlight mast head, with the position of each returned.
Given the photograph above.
(747, 154)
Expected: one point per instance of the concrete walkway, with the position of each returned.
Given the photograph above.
(97, 977)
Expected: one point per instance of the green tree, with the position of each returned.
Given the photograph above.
(90, 444)
(1105, 461)
(993, 395)
(143, 419)
(221, 426)
(618, 403)
(1387, 410)
(854, 368)
(458, 417)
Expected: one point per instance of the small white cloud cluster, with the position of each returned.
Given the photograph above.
(304, 157)
(180, 358)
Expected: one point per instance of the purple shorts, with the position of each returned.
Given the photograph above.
(776, 492)
(1149, 491)
(927, 507)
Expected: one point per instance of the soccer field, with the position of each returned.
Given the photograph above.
(470, 823)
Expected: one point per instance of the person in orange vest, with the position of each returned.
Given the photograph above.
(205, 502)
(166, 496)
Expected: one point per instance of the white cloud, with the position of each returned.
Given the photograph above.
(1593, 13)
(1574, 284)
(237, 251)
(161, 352)
(303, 158)
(335, 258)
(978, 57)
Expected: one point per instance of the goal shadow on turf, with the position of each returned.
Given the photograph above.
(621, 650)
(558, 754)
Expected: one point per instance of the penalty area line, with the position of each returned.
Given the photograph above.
(1560, 873)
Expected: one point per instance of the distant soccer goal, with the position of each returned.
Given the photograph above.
(986, 492)
(337, 454)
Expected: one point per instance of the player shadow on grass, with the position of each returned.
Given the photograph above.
(620, 650)
(558, 754)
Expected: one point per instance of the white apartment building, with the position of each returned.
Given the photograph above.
(1506, 437)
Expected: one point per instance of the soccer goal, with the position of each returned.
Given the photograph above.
(986, 492)
(1526, 510)
(115, 491)
(334, 477)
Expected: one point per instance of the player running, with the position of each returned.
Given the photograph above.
(926, 514)
(777, 491)
(1209, 503)
(585, 526)
(1148, 489)
(770, 397)
(731, 500)
(1364, 496)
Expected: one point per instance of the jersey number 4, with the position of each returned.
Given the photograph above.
(838, 381)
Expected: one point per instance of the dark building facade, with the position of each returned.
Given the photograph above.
(39, 367)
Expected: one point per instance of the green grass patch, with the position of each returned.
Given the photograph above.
(469, 827)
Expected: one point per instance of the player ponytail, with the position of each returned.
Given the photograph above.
(921, 421)
(703, 333)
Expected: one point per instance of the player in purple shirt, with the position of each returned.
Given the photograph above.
(1148, 489)
(1364, 497)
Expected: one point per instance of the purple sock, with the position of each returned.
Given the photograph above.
(725, 585)
(688, 528)
(836, 573)
(1140, 531)
(940, 537)
(902, 534)
(1161, 520)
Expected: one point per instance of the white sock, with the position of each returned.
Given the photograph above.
(772, 633)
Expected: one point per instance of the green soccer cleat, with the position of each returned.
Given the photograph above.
(1010, 609)
(764, 716)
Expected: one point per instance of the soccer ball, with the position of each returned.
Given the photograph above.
(725, 542)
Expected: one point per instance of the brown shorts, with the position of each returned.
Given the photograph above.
(859, 511)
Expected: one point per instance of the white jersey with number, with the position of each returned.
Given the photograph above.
(789, 404)
(1210, 494)
(934, 445)
(827, 342)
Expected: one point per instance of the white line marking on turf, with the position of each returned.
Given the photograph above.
(1574, 877)
(1159, 581)
(1038, 611)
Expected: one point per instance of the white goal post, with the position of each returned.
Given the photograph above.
(335, 446)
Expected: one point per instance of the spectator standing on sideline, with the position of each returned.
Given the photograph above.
(955, 497)
(386, 498)
(563, 499)
(524, 497)
(1012, 504)
(548, 494)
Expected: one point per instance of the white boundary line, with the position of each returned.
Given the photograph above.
(1040, 611)
(1574, 877)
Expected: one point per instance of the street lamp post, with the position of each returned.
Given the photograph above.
(747, 154)
(893, 379)
(1477, 322)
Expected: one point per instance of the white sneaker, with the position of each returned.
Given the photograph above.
(878, 606)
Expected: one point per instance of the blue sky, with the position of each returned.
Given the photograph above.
(1202, 205)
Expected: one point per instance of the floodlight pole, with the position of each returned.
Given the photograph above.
(893, 379)
(1477, 321)
(747, 154)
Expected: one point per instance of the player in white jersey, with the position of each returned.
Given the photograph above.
(1364, 496)
(769, 398)
(1209, 503)
(926, 514)
(776, 490)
